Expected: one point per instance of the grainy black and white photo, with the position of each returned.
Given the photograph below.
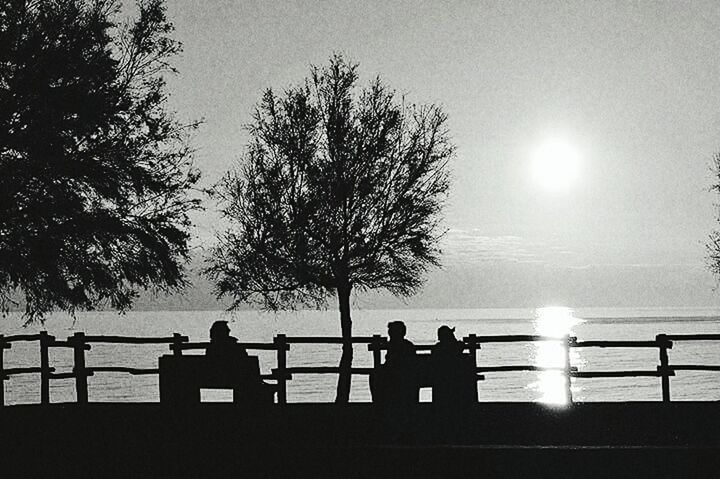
(412, 238)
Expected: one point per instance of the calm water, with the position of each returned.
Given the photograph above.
(586, 324)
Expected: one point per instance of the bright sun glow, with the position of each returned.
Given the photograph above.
(556, 322)
(555, 165)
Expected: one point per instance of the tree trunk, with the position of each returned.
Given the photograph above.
(343, 386)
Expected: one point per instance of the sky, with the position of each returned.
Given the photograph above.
(631, 87)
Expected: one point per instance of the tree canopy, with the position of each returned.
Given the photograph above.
(340, 189)
(95, 173)
(713, 245)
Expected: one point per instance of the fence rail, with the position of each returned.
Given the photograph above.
(693, 337)
(281, 344)
(135, 340)
(615, 344)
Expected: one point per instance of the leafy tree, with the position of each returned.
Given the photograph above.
(338, 191)
(713, 246)
(95, 173)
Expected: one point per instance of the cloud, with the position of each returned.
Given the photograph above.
(468, 246)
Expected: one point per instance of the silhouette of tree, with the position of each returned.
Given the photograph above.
(713, 246)
(338, 191)
(95, 173)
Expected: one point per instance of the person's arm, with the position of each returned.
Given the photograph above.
(236, 348)
(242, 352)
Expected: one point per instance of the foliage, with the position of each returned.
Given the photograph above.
(713, 247)
(338, 190)
(333, 190)
(95, 172)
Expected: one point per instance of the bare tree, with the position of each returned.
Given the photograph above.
(339, 190)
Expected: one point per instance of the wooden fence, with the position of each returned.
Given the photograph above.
(283, 373)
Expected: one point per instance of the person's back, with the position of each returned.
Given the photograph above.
(400, 350)
(454, 380)
(395, 383)
(447, 347)
(223, 347)
(227, 356)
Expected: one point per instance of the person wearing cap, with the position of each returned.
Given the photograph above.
(447, 347)
(454, 379)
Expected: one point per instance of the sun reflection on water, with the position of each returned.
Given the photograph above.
(556, 322)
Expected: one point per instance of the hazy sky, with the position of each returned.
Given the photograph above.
(634, 87)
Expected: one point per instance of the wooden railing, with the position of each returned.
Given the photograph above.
(669, 370)
(79, 343)
(280, 374)
(281, 344)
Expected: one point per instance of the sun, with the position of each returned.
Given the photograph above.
(555, 165)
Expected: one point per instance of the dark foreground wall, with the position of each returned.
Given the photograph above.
(323, 440)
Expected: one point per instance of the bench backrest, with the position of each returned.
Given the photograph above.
(203, 371)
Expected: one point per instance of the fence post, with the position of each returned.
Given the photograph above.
(177, 341)
(282, 347)
(81, 375)
(473, 346)
(45, 339)
(376, 345)
(3, 346)
(569, 342)
(664, 344)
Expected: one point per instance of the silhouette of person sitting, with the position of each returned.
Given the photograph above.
(226, 354)
(448, 348)
(400, 350)
(224, 347)
(394, 383)
(453, 375)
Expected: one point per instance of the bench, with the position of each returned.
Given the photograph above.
(403, 383)
(182, 378)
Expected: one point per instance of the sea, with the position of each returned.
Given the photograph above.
(254, 326)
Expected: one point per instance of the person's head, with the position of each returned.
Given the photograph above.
(446, 333)
(219, 330)
(396, 330)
